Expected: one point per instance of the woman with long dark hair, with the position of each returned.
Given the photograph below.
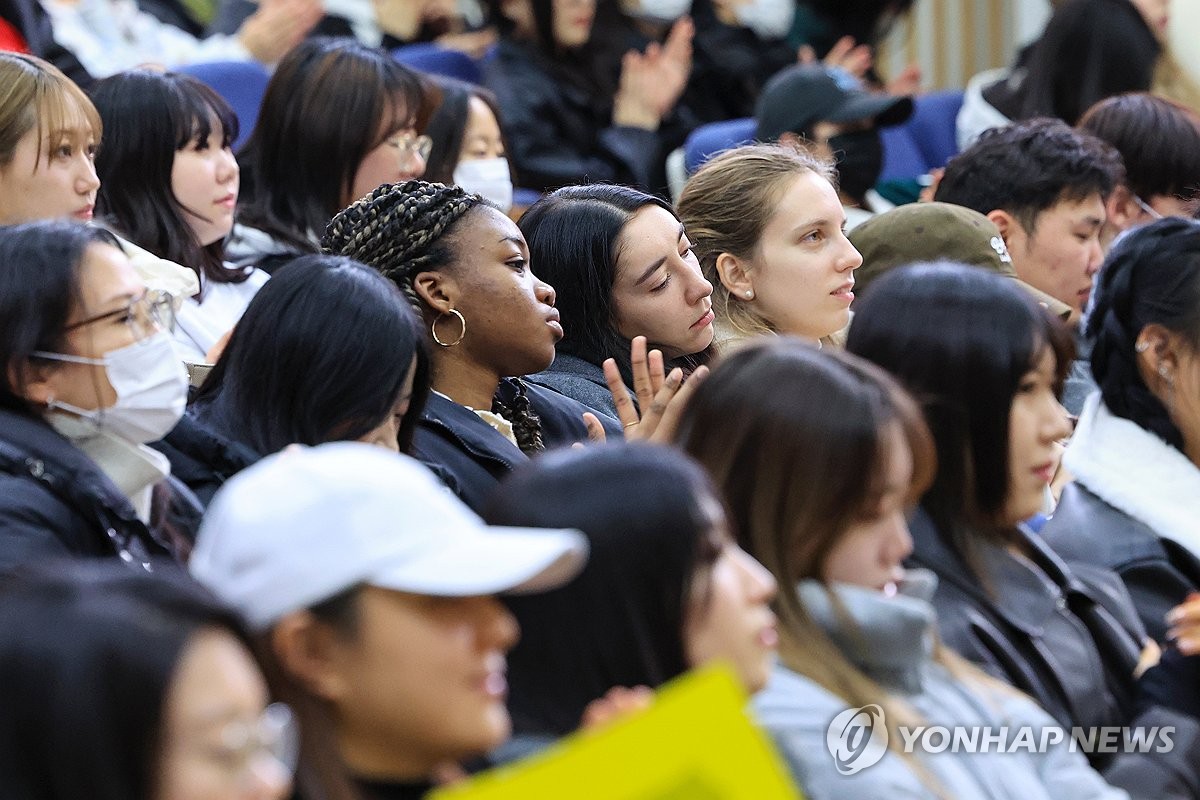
(337, 120)
(169, 183)
(665, 588)
(328, 351)
(1066, 633)
(622, 267)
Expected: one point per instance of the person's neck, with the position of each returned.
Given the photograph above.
(466, 382)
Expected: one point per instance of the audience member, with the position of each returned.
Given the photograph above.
(569, 117)
(622, 267)
(839, 122)
(371, 592)
(925, 232)
(90, 374)
(169, 183)
(820, 473)
(328, 351)
(1159, 143)
(1090, 50)
(49, 132)
(666, 587)
(108, 36)
(1066, 634)
(1135, 453)
(118, 685)
(469, 149)
(766, 224)
(317, 147)
(465, 268)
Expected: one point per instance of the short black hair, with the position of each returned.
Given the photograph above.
(1159, 142)
(1027, 167)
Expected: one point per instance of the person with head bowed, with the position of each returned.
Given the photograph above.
(1135, 453)
(118, 685)
(466, 269)
(90, 375)
(329, 350)
(1066, 633)
(169, 183)
(768, 229)
(666, 587)
(622, 267)
(317, 146)
(820, 473)
(371, 593)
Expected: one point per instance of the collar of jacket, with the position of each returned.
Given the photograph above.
(470, 432)
(888, 638)
(1136, 473)
(31, 447)
(1025, 592)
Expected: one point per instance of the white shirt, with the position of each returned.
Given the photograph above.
(200, 325)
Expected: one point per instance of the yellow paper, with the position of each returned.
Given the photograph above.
(696, 742)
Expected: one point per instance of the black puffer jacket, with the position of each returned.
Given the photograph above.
(55, 501)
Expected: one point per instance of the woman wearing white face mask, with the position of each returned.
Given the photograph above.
(90, 375)
(468, 144)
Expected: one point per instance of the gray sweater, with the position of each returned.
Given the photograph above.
(893, 644)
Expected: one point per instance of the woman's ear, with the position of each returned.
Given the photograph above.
(1157, 351)
(33, 380)
(307, 651)
(436, 290)
(735, 276)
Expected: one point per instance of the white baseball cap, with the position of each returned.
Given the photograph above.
(308, 523)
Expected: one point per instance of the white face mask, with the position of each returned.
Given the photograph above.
(489, 177)
(662, 10)
(769, 19)
(151, 385)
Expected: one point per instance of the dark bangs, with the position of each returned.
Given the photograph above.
(195, 108)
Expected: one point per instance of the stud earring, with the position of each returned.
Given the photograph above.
(749, 295)
(1165, 373)
(1142, 347)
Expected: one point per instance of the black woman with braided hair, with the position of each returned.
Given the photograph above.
(465, 267)
(1135, 455)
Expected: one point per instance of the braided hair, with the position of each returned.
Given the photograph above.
(1151, 277)
(402, 230)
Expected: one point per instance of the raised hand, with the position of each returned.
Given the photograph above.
(651, 82)
(278, 26)
(661, 398)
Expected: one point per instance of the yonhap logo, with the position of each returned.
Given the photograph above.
(857, 738)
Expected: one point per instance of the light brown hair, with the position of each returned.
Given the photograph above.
(33, 93)
(726, 205)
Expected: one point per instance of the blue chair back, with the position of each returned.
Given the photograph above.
(241, 83)
(708, 140)
(435, 60)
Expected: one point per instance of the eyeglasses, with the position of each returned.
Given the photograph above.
(240, 748)
(409, 145)
(146, 314)
(1144, 206)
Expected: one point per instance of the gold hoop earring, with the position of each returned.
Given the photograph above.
(452, 312)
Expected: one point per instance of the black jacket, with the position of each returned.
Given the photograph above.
(55, 501)
(559, 133)
(1158, 573)
(31, 20)
(1070, 638)
(471, 457)
(202, 457)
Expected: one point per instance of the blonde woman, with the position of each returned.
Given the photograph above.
(766, 224)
